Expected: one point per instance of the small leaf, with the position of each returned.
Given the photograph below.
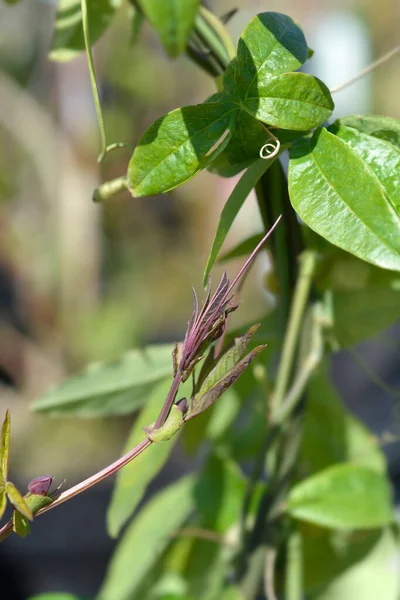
(111, 388)
(234, 203)
(133, 479)
(271, 44)
(21, 524)
(219, 493)
(290, 101)
(173, 21)
(68, 39)
(337, 195)
(35, 502)
(345, 496)
(18, 501)
(146, 538)
(201, 402)
(5, 448)
(179, 145)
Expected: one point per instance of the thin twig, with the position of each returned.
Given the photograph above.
(269, 574)
(367, 70)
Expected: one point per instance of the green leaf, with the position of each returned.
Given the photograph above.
(35, 502)
(5, 448)
(111, 388)
(382, 156)
(337, 195)
(234, 203)
(18, 501)
(3, 499)
(337, 565)
(208, 395)
(243, 148)
(133, 480)
(68, 39)
(223, 415)
(55, 596)
(146, 538)
(345, 496)
(173, 21)
(232, 593)
(332, 434)
(383, 128)
(290, 101)
(271, 44)
(219, 493)
(179, 145)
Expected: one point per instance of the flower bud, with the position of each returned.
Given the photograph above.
(40, 485)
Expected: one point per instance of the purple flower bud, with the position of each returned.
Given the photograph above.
(40, 485)
(182, 404)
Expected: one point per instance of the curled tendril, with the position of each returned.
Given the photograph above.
(270, 149)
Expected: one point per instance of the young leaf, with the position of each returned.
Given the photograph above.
(18, 501)
(110, 388)
(146, 538)
(200, 402)
(132, 480)
(234, 203)
(271, 44)
(179, 145)
(381, 155)
(173, 21)
(345, 496)
(5, 448)
(68, 39)
(290, 101)
(337, 195)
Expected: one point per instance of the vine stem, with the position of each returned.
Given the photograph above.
(301, 293)
(7, 529)
(93, 80)
(367, 70)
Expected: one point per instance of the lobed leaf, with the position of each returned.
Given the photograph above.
(146, 538)
(110, 388)
(345, 496)
(335, 192)
(179, 145)
(173, 21)
(68, 39)
(132, 481)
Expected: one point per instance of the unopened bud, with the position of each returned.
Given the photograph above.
(40, 485)
(182, 404)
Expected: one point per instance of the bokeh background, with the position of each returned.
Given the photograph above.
(82, 282)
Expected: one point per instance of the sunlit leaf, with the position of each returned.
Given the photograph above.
(18, 501)
(179, 145)
(146, 538)
(335, 192)
(173, 21)
(345, 496)
(133, 479)
(110, 388)
(68, 39)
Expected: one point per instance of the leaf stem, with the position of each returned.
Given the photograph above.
(301, 293)
(93, 80)
(110, 188)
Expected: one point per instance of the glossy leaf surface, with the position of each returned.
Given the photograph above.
(335, 192)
